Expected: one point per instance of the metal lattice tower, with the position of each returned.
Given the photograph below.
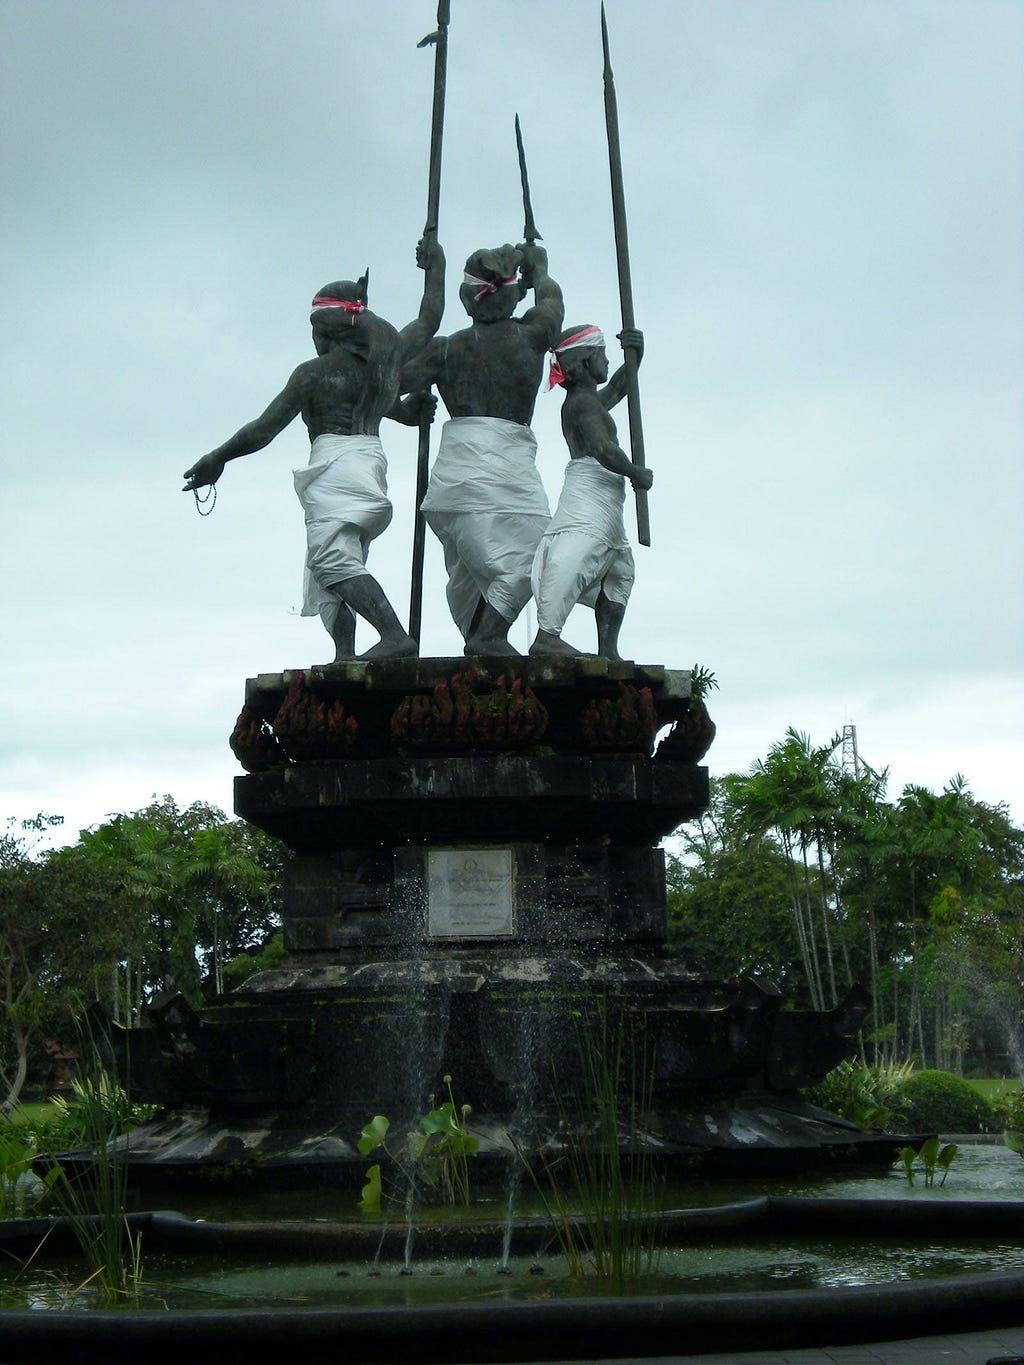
(850, 757)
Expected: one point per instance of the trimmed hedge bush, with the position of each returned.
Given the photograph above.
(939, 1102)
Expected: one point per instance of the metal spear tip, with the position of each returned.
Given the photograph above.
(430, 38)
(604, 42)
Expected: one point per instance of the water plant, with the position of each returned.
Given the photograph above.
(92, 1194)
(932, 1156)
(19, 1188)
(433, 1156)
(1010, 1108)
(601, 1191)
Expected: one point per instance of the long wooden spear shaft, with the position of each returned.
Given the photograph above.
(419, 535)
(636, 430)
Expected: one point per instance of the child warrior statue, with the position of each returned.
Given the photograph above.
(584, 555)
(342, 396)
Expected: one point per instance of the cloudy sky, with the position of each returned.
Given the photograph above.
(825, 209)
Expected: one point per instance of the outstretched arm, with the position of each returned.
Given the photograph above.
(430, 258)
(615, 390)
(254, 435)
(548, 311)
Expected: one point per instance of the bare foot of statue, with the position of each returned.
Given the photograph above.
(365, 596)
(546, 643)
(480, 646)
(488, 633)
(403, 647)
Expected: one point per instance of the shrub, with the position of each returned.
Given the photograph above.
(867, 1095)
(1009, 1109)
(939, 1102)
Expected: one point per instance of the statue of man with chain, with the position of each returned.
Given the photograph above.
(342, 395)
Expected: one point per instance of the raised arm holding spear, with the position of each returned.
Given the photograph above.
(485, 500)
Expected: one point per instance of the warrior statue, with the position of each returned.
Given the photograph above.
(342, 396)
(584, 554)
(485, 500)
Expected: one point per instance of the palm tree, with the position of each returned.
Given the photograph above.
(787, 794)
(219, 873)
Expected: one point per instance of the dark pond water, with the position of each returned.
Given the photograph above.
(984, 1170)
(755, 1263)
(183, 1282)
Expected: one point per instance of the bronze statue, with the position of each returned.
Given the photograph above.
(485, 500)
(584, 554)
(342, 396)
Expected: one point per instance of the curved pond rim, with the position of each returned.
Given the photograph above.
(762, 1216)
(579, 1329)
(571, 1329)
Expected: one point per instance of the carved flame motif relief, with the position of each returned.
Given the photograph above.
(309, 728)
(464, 713)
(625, 724)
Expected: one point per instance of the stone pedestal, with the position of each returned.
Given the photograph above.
(476, 864)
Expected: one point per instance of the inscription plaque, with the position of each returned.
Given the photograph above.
(469, 892)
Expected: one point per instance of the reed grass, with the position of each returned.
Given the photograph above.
(602, 1195)
(92, 1196)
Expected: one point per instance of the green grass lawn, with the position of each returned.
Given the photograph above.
(41, 1112)
(998, 1089)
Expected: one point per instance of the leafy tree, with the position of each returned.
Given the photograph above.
(728, 899)
(238, 969)
(54, 948)
(920, 899)
(944, 871)
(195, 888)
(141, 900)
(795, 796)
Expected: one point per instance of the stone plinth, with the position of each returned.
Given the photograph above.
(327, 807)
(476, 865)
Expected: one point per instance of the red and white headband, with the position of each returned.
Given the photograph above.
(586, 336)
(485, 287)
(352, 306)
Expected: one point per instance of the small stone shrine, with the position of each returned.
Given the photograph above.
(476, 861)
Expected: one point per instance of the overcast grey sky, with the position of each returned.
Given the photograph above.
(825, 208)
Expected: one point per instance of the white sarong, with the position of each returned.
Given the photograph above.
(344, 494)
(487, 506)
(585, 549)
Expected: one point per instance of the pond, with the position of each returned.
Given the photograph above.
(312, 1249)
(981, 1170)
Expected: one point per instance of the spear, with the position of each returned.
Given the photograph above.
(530, 233)
(636, 431)
(440, 40)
